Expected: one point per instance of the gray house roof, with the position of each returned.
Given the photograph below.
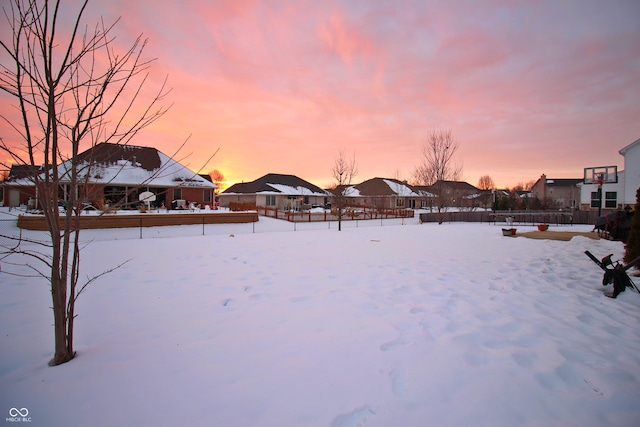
(274, 183)
(563, 182)
(461, 186)
(383, 187)
(628, 147)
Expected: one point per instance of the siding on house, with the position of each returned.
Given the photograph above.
(622, 193)
(383, 193)
(631, 180)
(457, 193)
(558, 192)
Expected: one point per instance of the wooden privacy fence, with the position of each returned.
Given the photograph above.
(348, 215)
(37, 222)
(242, 206)
(516, 217)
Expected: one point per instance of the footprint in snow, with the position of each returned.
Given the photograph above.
(398, 382)
(357, 417)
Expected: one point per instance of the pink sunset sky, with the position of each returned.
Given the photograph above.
(526, 87)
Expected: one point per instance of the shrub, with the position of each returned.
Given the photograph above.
(632, 247)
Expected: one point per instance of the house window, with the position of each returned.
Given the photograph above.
(399, 203)
(113, 195)
(271, 201)
(206, 196)
(595, 199)
(611, 199)
(177, 193)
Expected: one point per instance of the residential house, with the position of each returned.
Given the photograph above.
(382, 193)
(621, 193)
(631, 179)
(453, 194)
(611, 196)
(560, 193)
(116, 174)
(284, 192)
(11, 195)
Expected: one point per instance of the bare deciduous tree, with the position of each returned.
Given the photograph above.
(488, 192)
(486, 183)
(343, 172)
(72, 88)
(438, 166)
(218, 179)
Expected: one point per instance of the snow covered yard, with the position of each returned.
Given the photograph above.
(403, 325)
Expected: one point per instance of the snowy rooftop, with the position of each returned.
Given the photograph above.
(400, 189)
(293, 191)
(113, 164)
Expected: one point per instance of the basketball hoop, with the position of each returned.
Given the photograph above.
(600, 175)
(598, 179)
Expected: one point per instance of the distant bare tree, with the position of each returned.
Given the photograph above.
(396, 175)
(218, 179)
(438, 166)
(524, 186)
(486, 183)
(488, 188)
(72, 88)
(343, 172)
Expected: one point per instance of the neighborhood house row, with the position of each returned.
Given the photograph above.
(120, 173)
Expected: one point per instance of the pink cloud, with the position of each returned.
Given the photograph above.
(343, 39)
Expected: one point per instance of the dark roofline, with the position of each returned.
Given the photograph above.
(460, 185)
(262, 184)
(563, 181)
(378, 187)
(107, 154)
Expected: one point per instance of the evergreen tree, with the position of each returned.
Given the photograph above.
(633, 241)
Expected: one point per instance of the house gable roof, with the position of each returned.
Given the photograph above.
(276, 184)
(118, 164)
(22, 171)
(384, 187)
(629, 147)
(127, 165)
(424, 190)
(106, 155)
(461, 185)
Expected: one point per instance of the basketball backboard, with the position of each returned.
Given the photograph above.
(601, 175)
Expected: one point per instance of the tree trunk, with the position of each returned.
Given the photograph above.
(63, 348)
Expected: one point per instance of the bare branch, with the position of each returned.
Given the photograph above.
(438, 166)
(96, 277)
(72, 88)
(344, 171)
